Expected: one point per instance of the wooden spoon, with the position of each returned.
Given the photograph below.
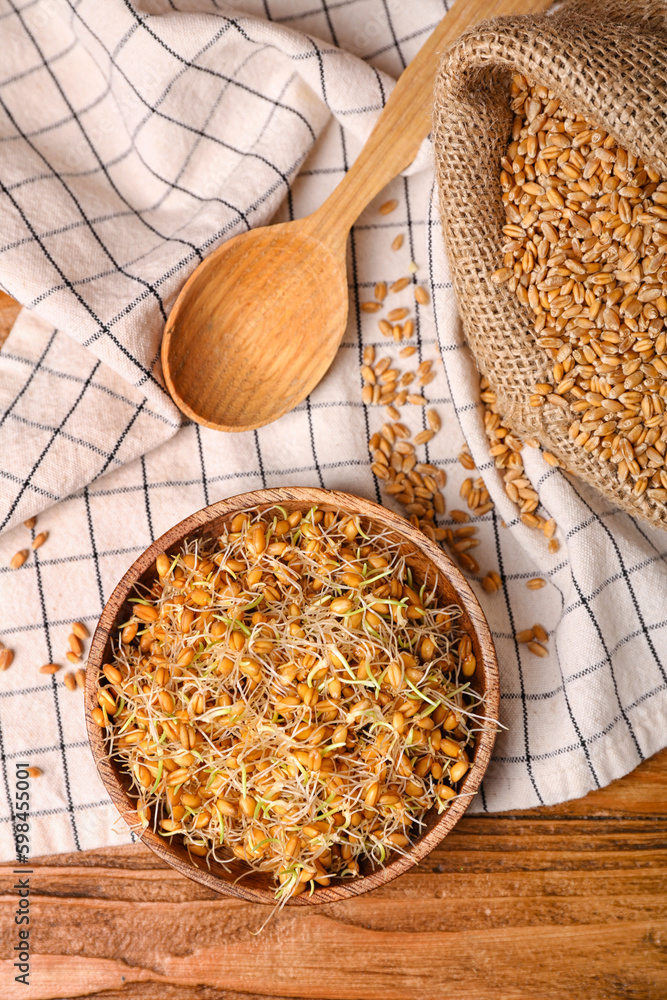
(259, 322)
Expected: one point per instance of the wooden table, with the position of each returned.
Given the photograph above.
(560, 903)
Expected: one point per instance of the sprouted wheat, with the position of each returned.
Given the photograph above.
(290, 695)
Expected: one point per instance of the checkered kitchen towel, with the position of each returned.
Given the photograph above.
(134, 138)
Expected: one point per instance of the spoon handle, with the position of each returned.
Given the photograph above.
(405, 121)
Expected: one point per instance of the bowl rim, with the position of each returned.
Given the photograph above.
(196, 523)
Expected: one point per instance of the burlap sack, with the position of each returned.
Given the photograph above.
(607, 60)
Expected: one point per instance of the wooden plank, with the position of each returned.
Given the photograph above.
(134, 873)
(402, 941)
(461, 870)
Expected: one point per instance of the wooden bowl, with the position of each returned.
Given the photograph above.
(420, 555)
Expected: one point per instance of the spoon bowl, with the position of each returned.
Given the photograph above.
(255, 327)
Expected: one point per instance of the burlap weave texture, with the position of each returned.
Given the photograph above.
(607, 62)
